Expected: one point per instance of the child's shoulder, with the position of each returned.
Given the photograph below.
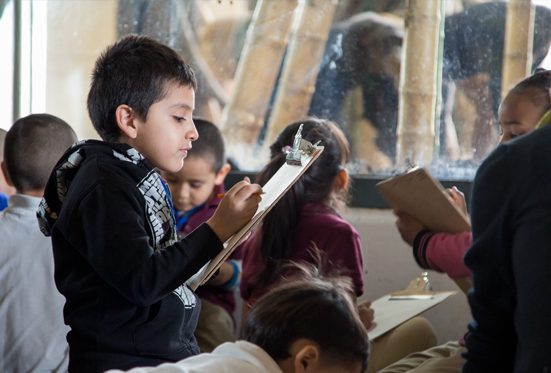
(106, 159)
(324, 218)
(92, 163)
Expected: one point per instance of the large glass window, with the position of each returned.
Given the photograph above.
(6, 63)
(262, 64)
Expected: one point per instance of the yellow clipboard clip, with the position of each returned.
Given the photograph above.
(418, 288)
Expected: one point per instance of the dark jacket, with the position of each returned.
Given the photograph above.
(511, 259)
(118, 261)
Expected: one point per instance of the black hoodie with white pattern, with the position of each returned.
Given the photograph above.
(118, 260)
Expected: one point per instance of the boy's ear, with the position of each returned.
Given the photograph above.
(126, 121)
(307, 358)
(222, 173)
(6, 174)
(342, 180)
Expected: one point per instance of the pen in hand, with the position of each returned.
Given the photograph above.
(221, 195)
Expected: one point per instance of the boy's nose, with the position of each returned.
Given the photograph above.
(184, 191)
(193, 134)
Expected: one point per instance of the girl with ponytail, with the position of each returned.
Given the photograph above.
(307, 217)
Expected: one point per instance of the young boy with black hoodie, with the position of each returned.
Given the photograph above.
(118, 260)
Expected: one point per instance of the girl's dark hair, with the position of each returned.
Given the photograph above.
(315, 185)
(539, 85)
(309, 306)
(134, 71)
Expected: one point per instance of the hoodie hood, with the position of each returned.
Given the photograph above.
(65, 170)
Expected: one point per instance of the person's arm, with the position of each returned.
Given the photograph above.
(491, 342)
(110, 230)
(443, 252)
(510, 258)
(530, 260)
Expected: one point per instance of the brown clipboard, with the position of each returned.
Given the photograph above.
(418, 194)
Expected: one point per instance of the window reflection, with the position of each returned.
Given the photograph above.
(358, 80)
(357, 85)
(6, 63)
(472, 68)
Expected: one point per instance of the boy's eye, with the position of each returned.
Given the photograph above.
(517, 134)
(196, 185)
(179, 119)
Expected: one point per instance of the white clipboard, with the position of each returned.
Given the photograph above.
(273, 190)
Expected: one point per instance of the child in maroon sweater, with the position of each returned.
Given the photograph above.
(306, 217)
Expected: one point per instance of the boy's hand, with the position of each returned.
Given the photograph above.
(236, 209)
(408, 227)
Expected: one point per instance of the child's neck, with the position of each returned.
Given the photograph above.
(33, 193)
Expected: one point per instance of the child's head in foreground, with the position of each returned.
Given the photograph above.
(524, 105)
(204, 169)
(143, 94)
(310, 324)
(33, 146)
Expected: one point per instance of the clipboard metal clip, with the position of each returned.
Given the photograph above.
(300, 147)
(410, 166)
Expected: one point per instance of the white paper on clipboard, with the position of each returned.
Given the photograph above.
(273, 190)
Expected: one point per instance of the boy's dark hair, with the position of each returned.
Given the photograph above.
(209, 144)
(316, 185)
(309, 306)
(33, 146)
(134, 71)
(539, 85)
